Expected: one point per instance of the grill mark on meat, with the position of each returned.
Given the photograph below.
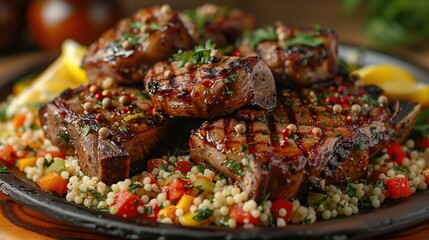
(309, 162)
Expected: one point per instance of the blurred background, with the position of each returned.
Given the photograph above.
(400, 27)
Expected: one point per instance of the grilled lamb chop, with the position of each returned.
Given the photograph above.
(298, 55)
(126, 51)
(219, 24)
(338, 129)
(112, 131)
(213, 89)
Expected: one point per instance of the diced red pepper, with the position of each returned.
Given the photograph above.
(176, 189)
(184, 166)
(8, 154)
(151, 212)
(395, 152)
(239, 215)
(422, 143)
(127, 204)
(237, 53)
(279, 204)
(152, 178)
(398, 187)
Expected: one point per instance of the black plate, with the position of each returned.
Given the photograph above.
(391, 217)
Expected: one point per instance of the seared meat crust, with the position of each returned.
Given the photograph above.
(213, 89)
(73, 121)
(298, 55)
(126, 51)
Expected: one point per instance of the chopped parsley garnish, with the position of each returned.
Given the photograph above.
(339, 136)
(370, 101)
(134, 187)
(64, 137)
(200, 55)
(224, 221)
(149, 210)
(4, 170)
(307, 220)
(228, 92)
(47, 163)
(361, 145)
(261, 119)
(116, 50)
(124, 128)
(96, 194)
(401, 169)
(144, 95)
(177, 151)
(382, 185)
(200, 167)
(3, 110)
(265, 133)
(230, 78)
(234, 166)
(86, 129)
(244, 148)
(259, 35)
(265, 199)
(304, 39)
(350, 190)
(248, 166)
(321, 201)
(203, 214)
(130, 37)
(199, 21)
(163, 166)
(155, 26)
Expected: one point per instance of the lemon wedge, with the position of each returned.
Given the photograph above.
(57, 77)
(396, 82)
(73, 53)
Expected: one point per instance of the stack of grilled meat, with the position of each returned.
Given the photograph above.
(281, 117)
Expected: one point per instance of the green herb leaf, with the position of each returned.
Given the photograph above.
(64, 137)
(350, 190)
(130, 37)
(362, 146)
(124, 128)
(230, 78)
(177, 151)
(96, 194)
(260, 35)
(4, 170)
(243, 148)
(134, 187)
(265, 199)
(116, 50)
(203, 214)
(401, 169)
(200, 55)
(234, 166)
(200, 167)
(155, 26)
(86, 129)
(163, 166)
(305, 39)
(370, 101)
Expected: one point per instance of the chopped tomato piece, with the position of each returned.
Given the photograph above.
(239, 215)
(53, 182)
(277, 209)
(395, 152)
(152, 178)
(54, 154)
(128, 204)
(422, 143)
(398, 187)
(176, 189)
(8, 154)
(184, 166)
(151, 212)
(426, 175)
(154, 163)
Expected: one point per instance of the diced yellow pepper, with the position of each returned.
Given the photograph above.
(203, 184)
(26, 162)
(185, 202)
(169, 212)
(188, 220)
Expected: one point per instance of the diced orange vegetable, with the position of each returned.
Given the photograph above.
(8, 154)
(18, 120)
(169, 212)
(398, 187)
(54, 154)
(26, 162)
(53, 182)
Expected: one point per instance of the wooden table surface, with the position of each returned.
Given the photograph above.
(18, 222)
